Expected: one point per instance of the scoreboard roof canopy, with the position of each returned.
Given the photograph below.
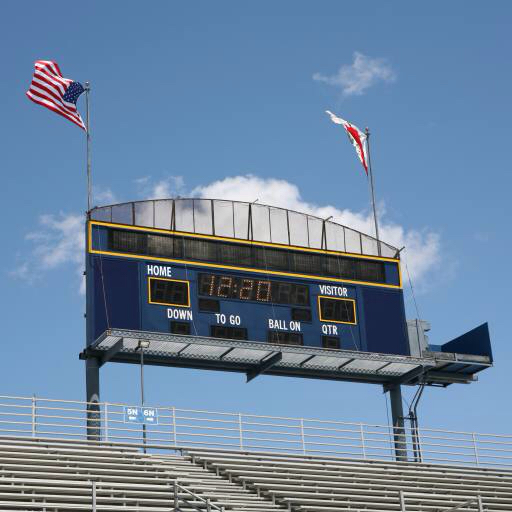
(253, 358)
(244, 221)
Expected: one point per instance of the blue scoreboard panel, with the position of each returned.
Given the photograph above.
(161, 281)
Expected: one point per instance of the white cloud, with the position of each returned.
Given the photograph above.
(22, 271)
(422, 246)
(356, 78)
(59, 239)
(170, 186)
(103, 196)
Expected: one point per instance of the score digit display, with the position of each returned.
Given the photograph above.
(248, 289)
(342, 311)
(168, 292)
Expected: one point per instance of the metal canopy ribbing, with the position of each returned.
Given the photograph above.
(243, 221)
(249, 357)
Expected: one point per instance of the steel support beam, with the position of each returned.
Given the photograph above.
(111, 352)
(451, 378)
(92, 386)
(264, 365)
(412, 375)
(397, 415)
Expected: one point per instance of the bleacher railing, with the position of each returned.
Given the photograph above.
(455, 507)
(192, 500)
(177, 428)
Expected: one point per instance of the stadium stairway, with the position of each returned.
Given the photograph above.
(56, 475)
(328, 484)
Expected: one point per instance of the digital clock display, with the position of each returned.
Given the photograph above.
(258, 290)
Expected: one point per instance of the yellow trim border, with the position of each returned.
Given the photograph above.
(243, 269)
(337, 298)
(167, 303)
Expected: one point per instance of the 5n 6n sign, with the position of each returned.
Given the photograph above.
(148, 415)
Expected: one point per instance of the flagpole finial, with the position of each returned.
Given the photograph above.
(87, 86)
(367, 130)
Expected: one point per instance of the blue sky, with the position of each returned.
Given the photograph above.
(188, 96)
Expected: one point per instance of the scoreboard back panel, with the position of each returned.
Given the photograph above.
(182, 283)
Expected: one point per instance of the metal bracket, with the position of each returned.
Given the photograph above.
(476, 500)
(111, 352)
(224, 354)
(264, 365)
(406, 378)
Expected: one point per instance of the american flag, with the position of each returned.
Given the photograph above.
(51, 90)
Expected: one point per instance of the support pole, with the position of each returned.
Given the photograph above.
(397, 414)
(34, 415)
(93, 483)
(372, 191)
(402, 500)
(142, 394)
(175, 493)
(413, 418)
(87, 89)
(92, 385)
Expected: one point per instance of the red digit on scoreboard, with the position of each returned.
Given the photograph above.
(246, 289)
(224, 288)
(263, 291)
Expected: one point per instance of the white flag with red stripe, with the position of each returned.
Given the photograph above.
(51, 90)
(356, 137)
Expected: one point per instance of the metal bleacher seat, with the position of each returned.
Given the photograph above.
(54, 475)
(328, 484)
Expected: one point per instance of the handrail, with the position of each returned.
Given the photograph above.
(201, 429)
(209, 505)
(455, 508)
(461, 506)
(221, 413)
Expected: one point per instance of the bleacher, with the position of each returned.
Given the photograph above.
(51, 475)
(56, 475)
(328, 484)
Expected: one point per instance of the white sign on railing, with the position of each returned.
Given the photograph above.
(134, 414)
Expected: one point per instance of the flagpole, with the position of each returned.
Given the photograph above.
(92, 372)
(88, 138)
(372, 189)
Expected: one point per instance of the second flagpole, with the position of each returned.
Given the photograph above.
(88, 138)
(372, 190)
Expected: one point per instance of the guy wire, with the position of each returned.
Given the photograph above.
(412, 290)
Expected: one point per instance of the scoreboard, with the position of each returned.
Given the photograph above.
(163, 281)
(233, 286)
